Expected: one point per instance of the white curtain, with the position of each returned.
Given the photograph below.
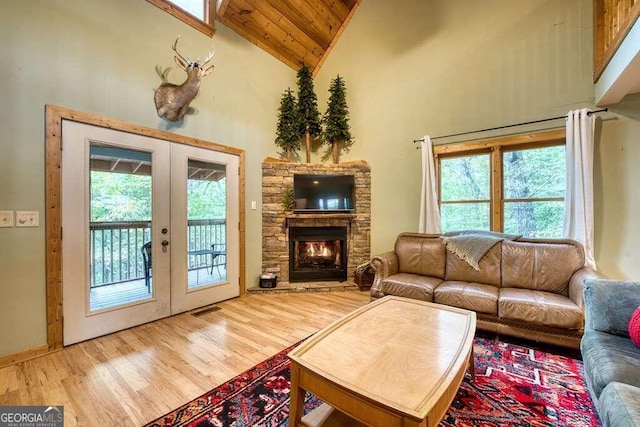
(578, 201)
(429, 210)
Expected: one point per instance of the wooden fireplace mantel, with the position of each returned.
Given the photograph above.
(318, 216)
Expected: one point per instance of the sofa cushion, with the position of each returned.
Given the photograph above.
(410, 286)
(489, 273)
(608, 358)
(539, 308)
(540, 266)
(610, 305)
(619, 405)
(420, 254)
(472, 296)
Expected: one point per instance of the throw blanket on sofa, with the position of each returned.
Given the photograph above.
(471, 245)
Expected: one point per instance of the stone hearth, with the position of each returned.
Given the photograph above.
(277, 177)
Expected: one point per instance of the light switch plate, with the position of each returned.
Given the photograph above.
(27, 219)
(6, 218)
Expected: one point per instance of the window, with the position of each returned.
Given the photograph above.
(465, 194)
(534, 184)
(200, 14)
(514, 185)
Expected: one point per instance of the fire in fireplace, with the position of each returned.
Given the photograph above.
(317, 253)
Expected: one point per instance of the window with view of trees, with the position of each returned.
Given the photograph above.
(514, 185)
(465, 195)
(200, 14)
(534, 183)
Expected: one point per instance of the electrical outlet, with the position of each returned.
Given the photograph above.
(27, 219)
(6, 218)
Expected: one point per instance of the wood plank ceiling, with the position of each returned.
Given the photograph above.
(294, 31)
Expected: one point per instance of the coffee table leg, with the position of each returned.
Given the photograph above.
(296, 407)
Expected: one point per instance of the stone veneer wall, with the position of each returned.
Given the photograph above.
(277, 176)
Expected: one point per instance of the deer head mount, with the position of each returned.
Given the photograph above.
(172, 101)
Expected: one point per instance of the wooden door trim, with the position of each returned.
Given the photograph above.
(53, 201)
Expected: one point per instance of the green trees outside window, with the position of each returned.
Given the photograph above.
(530, 199)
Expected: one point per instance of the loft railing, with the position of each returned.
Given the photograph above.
(115, 247)
(612, 21)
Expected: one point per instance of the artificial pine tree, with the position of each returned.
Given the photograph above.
(288, 131)
(308, 109)
(336, 118)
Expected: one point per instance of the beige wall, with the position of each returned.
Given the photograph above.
(99, 56)
(441, 67)
(617, 191)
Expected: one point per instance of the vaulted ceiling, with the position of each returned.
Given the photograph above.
(294, 31)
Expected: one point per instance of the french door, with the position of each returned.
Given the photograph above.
(149, 229)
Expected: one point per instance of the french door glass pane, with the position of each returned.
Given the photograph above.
(120, 226)
(534, 219)
(464, 216)
(534, 173)
(206, 223)
(465, 178)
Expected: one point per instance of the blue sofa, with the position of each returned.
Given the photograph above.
(611, 360)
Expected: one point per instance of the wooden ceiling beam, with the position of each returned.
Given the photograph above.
(244, 25)
(221, 7)
(275, 33)
(289, 27)
(337, 7)
(294, 31)
(310, 11)
(326, 14)
(350, 3)
(304, 18)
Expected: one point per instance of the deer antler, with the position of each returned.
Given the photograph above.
(183, 61)
(208, 58)
(205, 71)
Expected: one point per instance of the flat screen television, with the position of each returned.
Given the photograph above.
(324, 193)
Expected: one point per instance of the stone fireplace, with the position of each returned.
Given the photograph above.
(310, 247)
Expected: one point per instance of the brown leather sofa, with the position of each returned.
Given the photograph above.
(526, 288)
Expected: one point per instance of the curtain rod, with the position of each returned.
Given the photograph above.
(603, 110)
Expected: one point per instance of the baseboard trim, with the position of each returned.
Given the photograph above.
(21, 356)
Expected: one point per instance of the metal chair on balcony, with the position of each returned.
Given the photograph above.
(146, 258)
(218, 252)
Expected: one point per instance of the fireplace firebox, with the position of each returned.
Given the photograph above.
(317, 254)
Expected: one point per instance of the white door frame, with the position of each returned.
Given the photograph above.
(53, 228)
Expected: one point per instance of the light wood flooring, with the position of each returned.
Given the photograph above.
(135, 376)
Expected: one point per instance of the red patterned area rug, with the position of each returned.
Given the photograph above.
(514, 386)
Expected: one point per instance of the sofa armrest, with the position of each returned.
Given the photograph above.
(384, 265)
(609, 305)
(576, 284)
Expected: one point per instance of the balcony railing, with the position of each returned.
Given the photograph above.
(116, 254)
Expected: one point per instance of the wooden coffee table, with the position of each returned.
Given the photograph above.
(394, 362)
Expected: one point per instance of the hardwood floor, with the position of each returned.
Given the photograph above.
(134, 376)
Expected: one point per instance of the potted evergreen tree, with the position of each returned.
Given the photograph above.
(308, 109)
(336, 118)
(288, 130)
